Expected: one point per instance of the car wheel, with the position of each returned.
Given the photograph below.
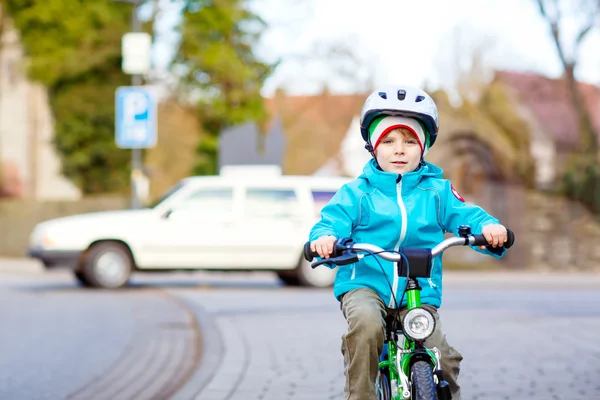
(319, 277)
(288, 277)
(107, 265)
(80, 277)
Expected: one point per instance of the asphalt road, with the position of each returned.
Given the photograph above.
(523, 337)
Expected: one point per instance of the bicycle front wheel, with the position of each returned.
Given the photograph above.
(422, 383)
(382, 387)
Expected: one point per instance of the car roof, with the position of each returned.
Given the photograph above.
(283, 180)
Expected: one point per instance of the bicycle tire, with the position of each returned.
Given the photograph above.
(422, 383)
(382, 387)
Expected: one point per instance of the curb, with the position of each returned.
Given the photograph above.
(211, 354)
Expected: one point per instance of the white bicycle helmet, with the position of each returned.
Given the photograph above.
(401, 101)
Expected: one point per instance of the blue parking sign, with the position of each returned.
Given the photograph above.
(135, 122)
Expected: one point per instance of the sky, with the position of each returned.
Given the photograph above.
(402, 41)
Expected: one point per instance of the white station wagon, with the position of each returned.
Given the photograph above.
(243, 219)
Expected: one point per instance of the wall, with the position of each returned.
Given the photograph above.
(27, 153)
(18, 218)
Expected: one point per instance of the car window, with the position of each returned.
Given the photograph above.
(271, 203)
(321, 198)
(210, 201)
(166, 195)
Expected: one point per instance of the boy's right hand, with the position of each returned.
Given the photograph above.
(323, 246)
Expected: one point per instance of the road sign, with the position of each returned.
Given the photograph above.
(136, 48)
(135, 118)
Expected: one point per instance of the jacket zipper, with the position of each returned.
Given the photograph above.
(402, 234)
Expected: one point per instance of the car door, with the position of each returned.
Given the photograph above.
(272, 223)
(198, 231)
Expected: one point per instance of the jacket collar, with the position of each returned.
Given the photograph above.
(386, 182)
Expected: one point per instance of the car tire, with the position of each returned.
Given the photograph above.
(288, 277)
(320, 277)
(80, 277)
(107, 265)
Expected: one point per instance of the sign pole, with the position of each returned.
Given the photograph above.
(136, 153)
(136, 129)
(136, 110)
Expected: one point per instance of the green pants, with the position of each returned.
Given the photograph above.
(362, 344)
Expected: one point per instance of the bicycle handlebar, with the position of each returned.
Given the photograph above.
(344, 245)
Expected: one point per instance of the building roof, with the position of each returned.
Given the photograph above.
(549, 100)
(314, 126)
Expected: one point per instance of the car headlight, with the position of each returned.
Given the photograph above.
(40, 238)
(418, 324)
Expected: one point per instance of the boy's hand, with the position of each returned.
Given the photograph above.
(323, 246)
(495, 234)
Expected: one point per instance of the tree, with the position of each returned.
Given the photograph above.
(217, 67)
(74, 49)
(581, 180)
(462, 63)
(588, 12)
(339, 65)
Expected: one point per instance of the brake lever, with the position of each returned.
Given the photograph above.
(347, 256)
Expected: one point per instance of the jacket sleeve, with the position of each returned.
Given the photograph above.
(455, 212)
(339, 216)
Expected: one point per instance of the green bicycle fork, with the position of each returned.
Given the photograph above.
(413, 300)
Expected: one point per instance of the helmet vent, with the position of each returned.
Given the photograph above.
(401, 94)
(383, 95)
(420, 98)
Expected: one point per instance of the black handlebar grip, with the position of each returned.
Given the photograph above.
(308, 253)
(511, 239)
(481, 241)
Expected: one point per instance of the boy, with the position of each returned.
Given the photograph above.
(399, 200)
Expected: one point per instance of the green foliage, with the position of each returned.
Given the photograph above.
(85, 134)
(581, 182)
(66, 38)
(74, 48)
(220, 69)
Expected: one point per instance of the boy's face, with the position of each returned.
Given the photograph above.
(398, 152)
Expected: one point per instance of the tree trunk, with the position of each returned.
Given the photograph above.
(588, 143)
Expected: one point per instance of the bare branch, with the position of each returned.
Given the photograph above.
(589, 140)
(553, 22)
(583, 33)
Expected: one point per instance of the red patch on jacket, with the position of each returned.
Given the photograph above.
(455, 193)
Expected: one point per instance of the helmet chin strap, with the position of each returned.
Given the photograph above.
(369, 148)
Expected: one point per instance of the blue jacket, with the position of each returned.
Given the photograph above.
(393, 211)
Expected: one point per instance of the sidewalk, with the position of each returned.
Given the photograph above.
(524, 278)
(20, 265)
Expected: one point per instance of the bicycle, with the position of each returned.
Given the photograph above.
(407, 370)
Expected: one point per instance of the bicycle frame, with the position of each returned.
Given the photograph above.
(399, 367)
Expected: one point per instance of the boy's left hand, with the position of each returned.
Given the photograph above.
(495, 234)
